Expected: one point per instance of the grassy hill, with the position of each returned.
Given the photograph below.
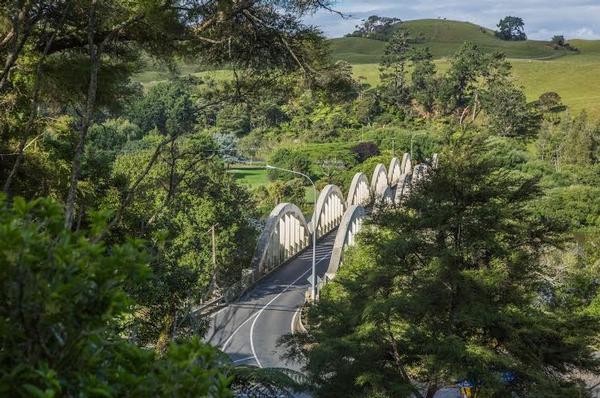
(537, 67)
(443, 38)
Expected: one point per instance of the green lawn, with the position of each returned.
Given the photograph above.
(255, 176)
(250, 176)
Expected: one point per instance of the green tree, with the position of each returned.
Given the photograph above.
(471, 71)
(168, 107)
(508, 113)
(64, 303)
(233, 119)
(558, 40)
(574, 141)
(393, 70)
(183, 196)
(511, 28)
(549, 103)
(423, 80)
(451, 287)
(336, 83)
(288, 159)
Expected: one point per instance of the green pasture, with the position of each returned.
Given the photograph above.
(250, 176)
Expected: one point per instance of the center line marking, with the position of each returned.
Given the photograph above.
(268, 304)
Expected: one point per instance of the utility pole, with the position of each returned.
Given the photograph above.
(214, 248)
(213, 282)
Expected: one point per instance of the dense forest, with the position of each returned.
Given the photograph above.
(114, 194)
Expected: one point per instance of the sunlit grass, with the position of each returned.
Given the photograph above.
(575, 78)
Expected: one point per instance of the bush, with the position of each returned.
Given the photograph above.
(64, 303)
(365, 150)
(288, 159)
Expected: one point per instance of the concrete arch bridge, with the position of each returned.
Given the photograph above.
(249, 328)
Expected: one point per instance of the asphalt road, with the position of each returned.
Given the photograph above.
(249, 329)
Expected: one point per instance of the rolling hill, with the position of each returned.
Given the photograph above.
(537, 67)
(443, 38)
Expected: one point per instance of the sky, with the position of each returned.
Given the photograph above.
(543, 18)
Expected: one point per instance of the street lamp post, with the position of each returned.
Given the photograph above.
(313, 288)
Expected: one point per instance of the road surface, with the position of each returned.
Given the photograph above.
(249, 329)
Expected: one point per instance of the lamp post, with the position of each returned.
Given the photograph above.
(313, 288)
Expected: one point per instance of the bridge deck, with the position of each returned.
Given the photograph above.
(249, 329)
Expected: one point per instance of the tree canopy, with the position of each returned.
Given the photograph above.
(452, 286)
(511, 28)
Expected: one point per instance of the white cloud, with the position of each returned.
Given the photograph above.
(585, 33)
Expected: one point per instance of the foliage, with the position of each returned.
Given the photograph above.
(233, 119)
(167, 107)
(423, 80)
(511, 28)
(550, 102)
(507, 111)
(378, 28)
(559, 40)
(394, 84)
(337, 84)
(181, 198)
(64, 302)
(470, 69)
(451, 287)
(574, 141)
(364, 150)
(288, 159)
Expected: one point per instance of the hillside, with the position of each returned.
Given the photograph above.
(443, 38)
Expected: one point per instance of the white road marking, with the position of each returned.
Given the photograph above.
(267, 305)
(242, 360)
(237, 330)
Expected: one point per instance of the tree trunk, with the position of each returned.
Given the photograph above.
(87, 118)
(166, 333)
(22, 26)
(33, 111)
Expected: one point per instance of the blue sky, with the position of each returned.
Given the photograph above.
(543, 18)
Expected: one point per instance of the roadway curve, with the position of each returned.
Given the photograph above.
(248, 330)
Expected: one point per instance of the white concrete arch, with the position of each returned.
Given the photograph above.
(403, 188)
(285, 234)
(379, 182)
(346, 236)
(406, 165)
(394, 172)
(359, 193)
(329, 210)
